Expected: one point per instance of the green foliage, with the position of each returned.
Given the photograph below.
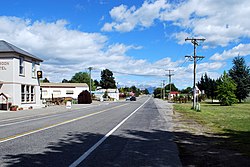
(96, 83)
(208, 85)
(146, 92)
(240, 73)
(65, 81)
(105, 94)
(226, 90)
(173, 87)
(232, 121)
(82, 77)
(107, 79)
(187, 90)
(45, 80)
(157, 92)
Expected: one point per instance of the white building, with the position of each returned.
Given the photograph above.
(112, 93)
(62, 90)
(18, 77)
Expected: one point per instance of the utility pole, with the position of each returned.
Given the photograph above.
(169, 80)
(163, 84)
(194, 58)
(161, 90)
(90, 68)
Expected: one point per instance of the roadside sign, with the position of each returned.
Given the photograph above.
(68, 104)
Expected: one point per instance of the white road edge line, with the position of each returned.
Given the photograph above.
(87, 153)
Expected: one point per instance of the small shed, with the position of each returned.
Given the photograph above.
(84, 98)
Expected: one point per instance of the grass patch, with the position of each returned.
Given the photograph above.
(231, 121)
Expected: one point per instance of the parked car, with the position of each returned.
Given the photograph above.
(127, 98)
(132, 98)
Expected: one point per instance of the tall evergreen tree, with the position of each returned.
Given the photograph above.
(240, 73)
(208, 85)
(107, 79)
(226, 90)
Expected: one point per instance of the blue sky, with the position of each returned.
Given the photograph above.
(136, 39)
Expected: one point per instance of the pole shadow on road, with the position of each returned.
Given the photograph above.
(135, 148)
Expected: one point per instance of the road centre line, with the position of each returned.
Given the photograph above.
(89, 151)
(55, 125)
(46, 116)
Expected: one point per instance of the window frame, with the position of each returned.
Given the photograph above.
(28, 94)
(21, 66)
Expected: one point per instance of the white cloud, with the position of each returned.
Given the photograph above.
(220, 22)
(241, 49)
(66, 51)
(126, 19)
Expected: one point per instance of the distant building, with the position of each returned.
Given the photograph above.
(19, 84)
(174, 94)
(62, 90)
(112, 93)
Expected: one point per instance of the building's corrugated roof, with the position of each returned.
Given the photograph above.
(6, 47)
(63, 85)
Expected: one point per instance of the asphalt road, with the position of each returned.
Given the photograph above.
(116, 134)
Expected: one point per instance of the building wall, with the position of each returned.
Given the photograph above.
(12, 80)
(113, 93)
(62, 92)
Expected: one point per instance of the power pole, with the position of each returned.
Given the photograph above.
(90, 68)
(169, 80)
(194, 57)
(163, 84)
(161, 90)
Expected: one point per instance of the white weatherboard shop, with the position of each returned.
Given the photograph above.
(19, 84)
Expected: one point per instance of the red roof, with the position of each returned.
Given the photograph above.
(174, 92)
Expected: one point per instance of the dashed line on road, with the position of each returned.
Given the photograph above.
(54, 125)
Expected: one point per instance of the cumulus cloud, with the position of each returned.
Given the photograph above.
(126, 19)
(220, 22)
(66, 51)
(241, 49)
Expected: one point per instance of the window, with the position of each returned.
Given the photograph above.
(33, 69)
(23, 93)
(32, 93)
(69, 92)
(21, 66)
(56, 92)
(27, 93)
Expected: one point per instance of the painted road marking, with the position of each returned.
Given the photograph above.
(87, 153)
(55, 125)
(45, 116)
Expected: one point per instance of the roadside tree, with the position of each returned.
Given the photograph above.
(82, 77)
(107, 79)
(240, 73)
(226, 90)
(157, 92)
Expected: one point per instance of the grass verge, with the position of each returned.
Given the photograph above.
(230, 121)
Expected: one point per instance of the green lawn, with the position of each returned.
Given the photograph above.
(232, 121)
